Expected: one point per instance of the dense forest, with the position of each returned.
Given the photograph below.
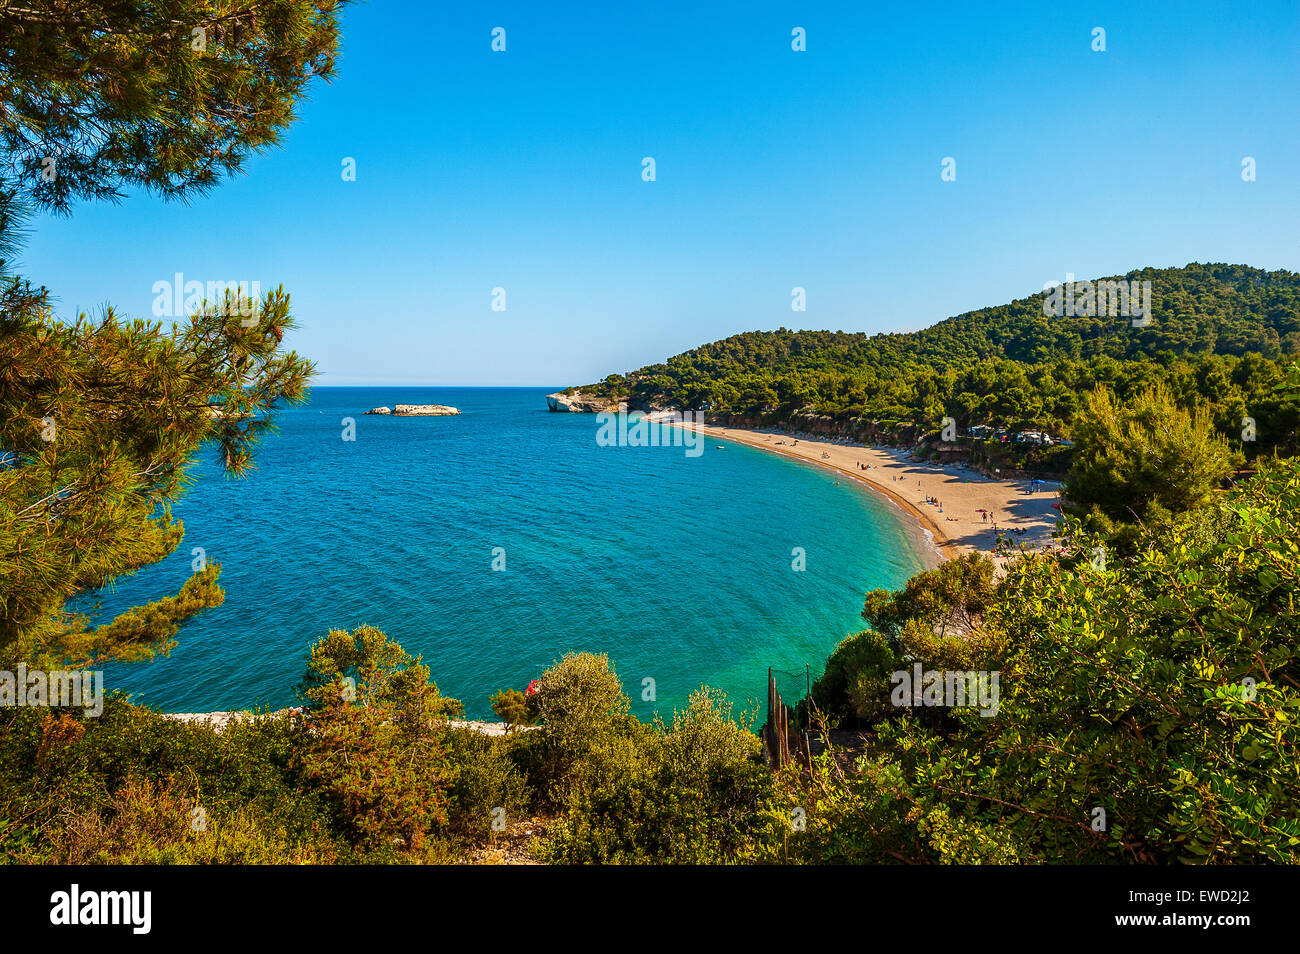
(1219, 337)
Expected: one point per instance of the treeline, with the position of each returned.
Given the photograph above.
(1219, 338)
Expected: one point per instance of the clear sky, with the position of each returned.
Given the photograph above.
(822, 169)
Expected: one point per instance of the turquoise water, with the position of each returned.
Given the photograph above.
(678, 567)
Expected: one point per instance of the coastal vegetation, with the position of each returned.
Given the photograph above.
(1219, 341)
(1148, 667)
(1148, 714)
(1150, 697)
(100, 416)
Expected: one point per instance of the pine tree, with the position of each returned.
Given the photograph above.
(98, 422)
(164, 95)
(99, 418)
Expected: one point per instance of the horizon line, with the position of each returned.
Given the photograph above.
(408, 384)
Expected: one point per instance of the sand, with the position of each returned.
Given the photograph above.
(955, 522)
(219, 720)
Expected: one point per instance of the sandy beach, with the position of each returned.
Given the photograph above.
(956, 521)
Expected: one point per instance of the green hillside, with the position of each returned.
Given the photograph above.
(1218, 337)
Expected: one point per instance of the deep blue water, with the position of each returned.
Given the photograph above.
(678, 567)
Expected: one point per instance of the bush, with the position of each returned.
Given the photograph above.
(693, 793)
(584, 719)
(485, 779)
(372, 740)
(1158, 694)
(121, 788)
(152, 823)
(856, 681)
(512, 707)
(578, 699)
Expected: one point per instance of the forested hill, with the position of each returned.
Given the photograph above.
(1199, 309)
(1217, 335)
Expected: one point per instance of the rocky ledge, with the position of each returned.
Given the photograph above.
(416, 410)
(580, 403)
(221, 414)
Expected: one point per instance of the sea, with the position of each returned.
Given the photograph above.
(493, 542)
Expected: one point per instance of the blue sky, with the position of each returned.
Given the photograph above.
(775, 169)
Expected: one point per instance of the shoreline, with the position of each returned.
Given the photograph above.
(949, 531)
(956, 525)
(219, 719)
(938, 540)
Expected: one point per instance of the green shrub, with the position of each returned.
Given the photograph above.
(485, 779)
(1148, 710)
(512, 707)
(578, 699)
(695, 792)
(584, 719)
(75, 789)
(152, 823)
(371, 740)
(856, 681)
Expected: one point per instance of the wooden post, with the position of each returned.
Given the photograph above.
(769, 730)
(780, 732)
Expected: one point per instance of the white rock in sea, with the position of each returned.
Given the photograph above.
(380, 410)
(424, 410)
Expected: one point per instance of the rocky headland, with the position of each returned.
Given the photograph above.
(580, 403)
